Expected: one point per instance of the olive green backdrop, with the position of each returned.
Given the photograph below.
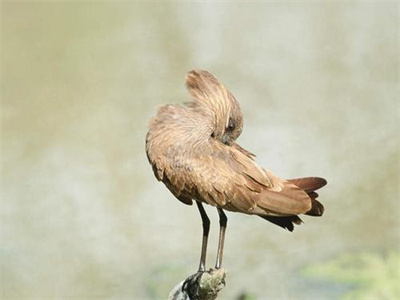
(82, 214)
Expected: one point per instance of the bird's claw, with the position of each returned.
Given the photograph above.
(204, 285)
(191, 286)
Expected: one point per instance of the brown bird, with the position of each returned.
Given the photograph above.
(192, 150)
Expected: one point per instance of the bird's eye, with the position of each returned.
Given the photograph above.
(231, 126)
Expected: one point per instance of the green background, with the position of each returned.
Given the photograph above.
(82, 214)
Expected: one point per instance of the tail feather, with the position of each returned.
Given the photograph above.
(317, 209)
(284, 222)
(309, 184)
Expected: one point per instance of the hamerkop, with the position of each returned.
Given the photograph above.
(192, 150)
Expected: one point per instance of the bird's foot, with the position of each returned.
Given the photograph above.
(204, 284)
(191, 285)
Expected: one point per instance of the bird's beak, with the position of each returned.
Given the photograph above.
(225, 139)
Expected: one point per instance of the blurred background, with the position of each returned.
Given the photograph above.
(82, 214)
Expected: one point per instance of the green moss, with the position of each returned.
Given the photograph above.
(369, 275)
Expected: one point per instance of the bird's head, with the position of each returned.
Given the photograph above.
(216, 101)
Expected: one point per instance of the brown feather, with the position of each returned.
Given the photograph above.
(244, 151)
(309, 184)
(317, 209)
(284, 222)
(192, 153)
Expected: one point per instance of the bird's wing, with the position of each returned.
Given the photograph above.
(226, 177)
(244, 151)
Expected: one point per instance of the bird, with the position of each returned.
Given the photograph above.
(192, 149)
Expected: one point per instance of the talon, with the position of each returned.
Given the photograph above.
(192, 283)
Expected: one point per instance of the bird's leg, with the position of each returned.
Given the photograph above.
(192, 286)
(206, 230)
(223, 220)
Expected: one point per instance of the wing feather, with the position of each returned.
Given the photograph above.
(226, 177)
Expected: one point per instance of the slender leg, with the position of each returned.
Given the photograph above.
(223, 220)
(206, 230)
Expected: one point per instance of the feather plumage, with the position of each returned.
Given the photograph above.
(194, 153)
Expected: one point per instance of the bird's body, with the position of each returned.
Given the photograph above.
(192, 149)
